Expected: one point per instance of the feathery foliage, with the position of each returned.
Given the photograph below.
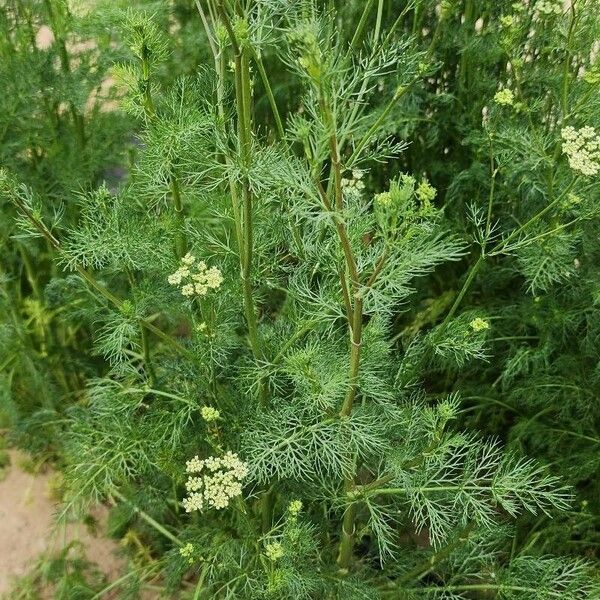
(308, 291)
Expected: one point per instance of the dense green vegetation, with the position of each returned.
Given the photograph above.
(308, 291)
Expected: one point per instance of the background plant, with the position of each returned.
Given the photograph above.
(352, 243)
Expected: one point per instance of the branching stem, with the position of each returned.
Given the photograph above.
(94, 283)
(244, 117)
(500, 247)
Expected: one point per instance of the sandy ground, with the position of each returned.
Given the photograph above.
(27, 527)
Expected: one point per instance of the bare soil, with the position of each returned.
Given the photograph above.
(28, 527)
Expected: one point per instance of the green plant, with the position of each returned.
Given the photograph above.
(346, 263)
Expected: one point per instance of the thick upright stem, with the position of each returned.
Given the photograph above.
(355, 347)
(246, 251)
(244, 117)
(243, 94)
(346, 547)
(354, 310)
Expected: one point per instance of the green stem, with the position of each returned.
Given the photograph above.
(149, 109)
(266, 510)
(469, 22)
(358, 34)
(243, 95)
(146, 517)
(378, 21)
(346, 547)
(469, 280)
(200, 584)
(271, 98)
(358, 102)
(292, 340)
(165, 337)
(502, 245)
(581, 436)
(180, 241)
(375, 127)
(484, 587)
(435, 38)
(30, 272)
(392, 29)
(498, 249)
(150, 114)
(355, 315)
(400, 491)
(355, 348)
(425, 567)
(493, 172)
(147, 356)
(111, 586)
(245, 128)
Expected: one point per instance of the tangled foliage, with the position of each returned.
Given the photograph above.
(308, 292)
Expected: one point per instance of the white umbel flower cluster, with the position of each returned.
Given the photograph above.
(214, 481)
(195, 277)
(582, 147)
(354, 185)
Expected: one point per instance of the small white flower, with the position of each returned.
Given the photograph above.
(582, 147)
(216, 488)
(188, 259)
(194, 277)
(212, 463)
(193, 502)
(175, 278)
(193, 484)
(213, 278)
(195, 465)
(479, 324)
(187, 289)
